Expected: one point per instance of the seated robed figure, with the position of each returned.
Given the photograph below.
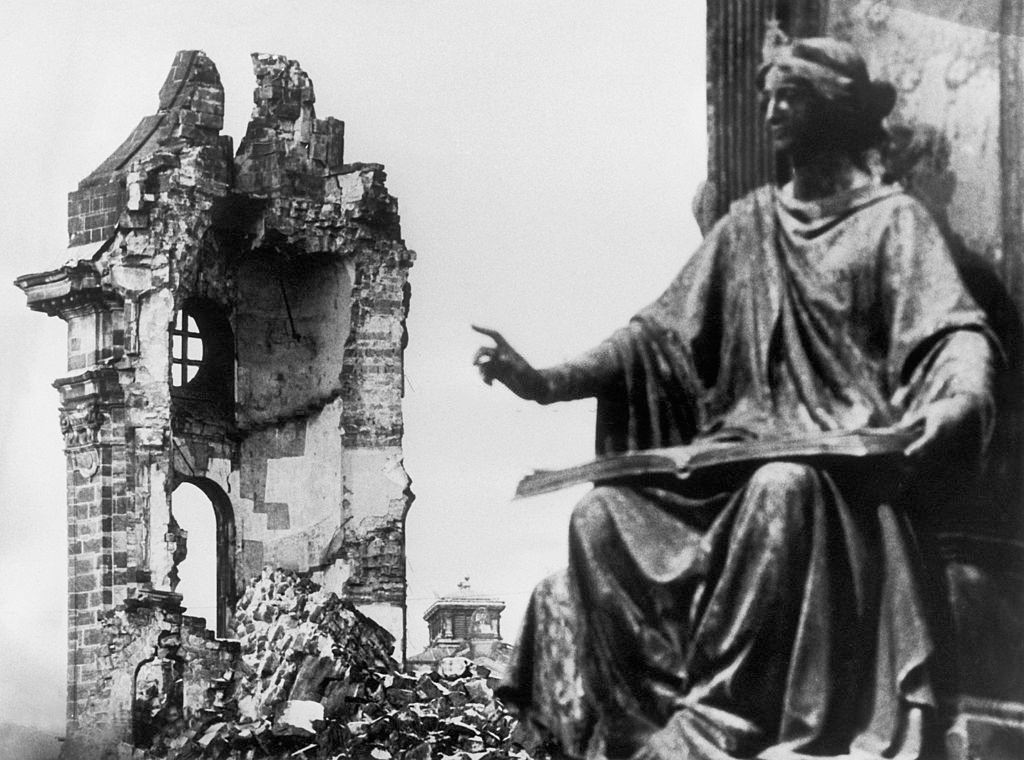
(781, 613)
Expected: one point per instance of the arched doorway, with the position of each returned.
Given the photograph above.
(207, 586)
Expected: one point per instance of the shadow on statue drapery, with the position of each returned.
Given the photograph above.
(973, 537)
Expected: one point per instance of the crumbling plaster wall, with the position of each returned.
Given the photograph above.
(319, 322)
(291, 330)
(292, 526)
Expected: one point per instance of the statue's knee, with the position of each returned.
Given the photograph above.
(781, 488)
(783, 477)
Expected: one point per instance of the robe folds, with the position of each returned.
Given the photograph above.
(777, 613)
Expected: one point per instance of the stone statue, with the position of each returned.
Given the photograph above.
(779, 613)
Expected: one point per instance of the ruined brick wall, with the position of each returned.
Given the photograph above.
(292, 264)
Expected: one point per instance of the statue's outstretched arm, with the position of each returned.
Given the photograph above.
(584, 377)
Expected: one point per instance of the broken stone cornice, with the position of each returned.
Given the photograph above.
(69, 287)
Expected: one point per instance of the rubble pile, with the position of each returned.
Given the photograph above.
(317, 679)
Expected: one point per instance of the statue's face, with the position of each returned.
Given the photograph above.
(793, 113)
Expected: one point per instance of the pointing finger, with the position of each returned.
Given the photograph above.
(492, 334)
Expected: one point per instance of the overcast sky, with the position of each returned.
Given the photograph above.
(544, 158)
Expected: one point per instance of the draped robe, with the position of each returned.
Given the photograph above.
(778, 613)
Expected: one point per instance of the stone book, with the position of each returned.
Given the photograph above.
(683, 461)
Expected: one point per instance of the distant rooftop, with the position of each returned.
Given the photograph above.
(464, 596)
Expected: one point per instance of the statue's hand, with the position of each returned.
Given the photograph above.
(503, 363)
(943, 423)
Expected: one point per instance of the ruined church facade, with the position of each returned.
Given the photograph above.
(236, 320)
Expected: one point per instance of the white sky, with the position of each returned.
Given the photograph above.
(544, 159)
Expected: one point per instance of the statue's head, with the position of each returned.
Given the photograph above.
(817, 96)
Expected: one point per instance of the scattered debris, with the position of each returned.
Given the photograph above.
(317, 679)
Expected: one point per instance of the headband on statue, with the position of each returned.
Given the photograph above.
(831, 68)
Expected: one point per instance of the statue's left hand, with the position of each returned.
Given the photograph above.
(943, 422)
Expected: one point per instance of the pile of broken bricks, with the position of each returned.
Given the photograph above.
(317, 680)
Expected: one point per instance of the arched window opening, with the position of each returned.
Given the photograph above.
(186, 349)
(202, 360)
(206, 574)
